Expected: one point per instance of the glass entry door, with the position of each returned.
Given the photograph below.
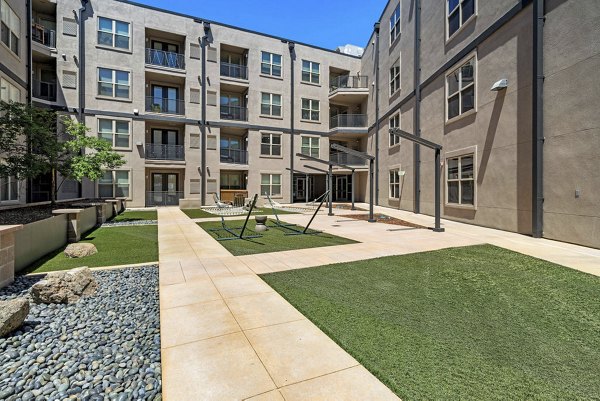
(164, 188)
(342, 192)
(165, 99)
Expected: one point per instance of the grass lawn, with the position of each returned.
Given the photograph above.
(273, 240)
(136, 215)
(116, 246)
(474, 323)
(201, 214)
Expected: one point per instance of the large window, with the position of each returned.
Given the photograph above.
(114, 132)
(113, 83)
(113, 33)
(394, 123)
(310, 109)
(114, 184)
(310, 71)
(270, 145)
(10, 27)
(395, 77)
(461, 180)
(310, 146)
(395, 24)
(459, 12)
(233, 180)
(270, 104)
(460, 89)
(395, 184)
(9, 189)
(270, 184)
(9, 92)
(271, 64)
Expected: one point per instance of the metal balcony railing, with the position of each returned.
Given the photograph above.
(234, 156)
(348, 121)
(165, 59)
(165, 105)
(348, 160)
(43, 90)
(158, 151)
(234, 71)
(163, 198)
(234, 113)
(349, 82)
(43, 35)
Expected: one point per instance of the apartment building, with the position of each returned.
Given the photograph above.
(200, 108)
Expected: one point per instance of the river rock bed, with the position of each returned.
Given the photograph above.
(130, 223)
(104, 347)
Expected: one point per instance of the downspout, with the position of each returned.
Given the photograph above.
(81, 60)
(417, 109)
(206, 26)
(291, 47)
(29, 86)
(538, 121)
(376, 200)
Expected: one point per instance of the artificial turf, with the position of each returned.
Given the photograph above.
(116, 246)
(472, 323)
(136, 215)
(203, 214)
(273, 240)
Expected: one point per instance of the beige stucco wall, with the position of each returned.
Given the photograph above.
(38, 239)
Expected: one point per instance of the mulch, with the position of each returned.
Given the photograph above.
(382, 218)
(31, 214)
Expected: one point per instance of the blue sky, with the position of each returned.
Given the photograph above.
(333, 24)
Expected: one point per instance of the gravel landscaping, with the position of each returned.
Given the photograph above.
(113, 223)
(104, 347)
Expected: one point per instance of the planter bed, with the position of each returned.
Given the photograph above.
(106, 344)
(31, 214)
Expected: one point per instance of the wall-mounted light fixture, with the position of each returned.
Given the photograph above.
(502, 84)
(136, 112)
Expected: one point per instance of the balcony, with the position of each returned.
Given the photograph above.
(165, 59)
(165, 105)
(348, 121)
(159, 151)
(44, 36)
(348, 88)
(236, 71)
(43, 90)
(348, 160)
(235, 113)
(165, 198)
(234, 156)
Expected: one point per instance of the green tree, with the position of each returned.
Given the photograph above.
(31, 145)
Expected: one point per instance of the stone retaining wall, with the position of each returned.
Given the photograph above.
(38, 239)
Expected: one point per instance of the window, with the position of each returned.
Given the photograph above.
(461, 180)
(113, 83)
(9, 92)
(310, 109)
(270, 145)
(271, 64)
(114, 184)
(395, 184)
(9, 189)
(394, 123)
(270, 104)
(310, 146)
(10, 27)
(113, 33)
(395, 24)
(270, 184)
(310, 72)
(395, 77)
(114, 132)
(460, 89)
(233, 180)
(459, 12)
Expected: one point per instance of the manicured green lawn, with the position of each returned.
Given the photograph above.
(136, 215)
(273, 240)
(116, 246)
(474, 323)
(201, 214)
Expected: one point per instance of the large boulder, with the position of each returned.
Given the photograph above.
(64, 287)
(80, 250)
(12, 314)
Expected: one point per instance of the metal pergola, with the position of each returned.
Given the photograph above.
(330, 177)
(294, 171)
(438, 150)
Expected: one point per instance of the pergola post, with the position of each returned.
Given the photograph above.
(330, 178)
(353, 187)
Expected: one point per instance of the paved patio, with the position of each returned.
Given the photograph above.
(226, 335)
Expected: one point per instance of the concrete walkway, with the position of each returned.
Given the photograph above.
(226, 335)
